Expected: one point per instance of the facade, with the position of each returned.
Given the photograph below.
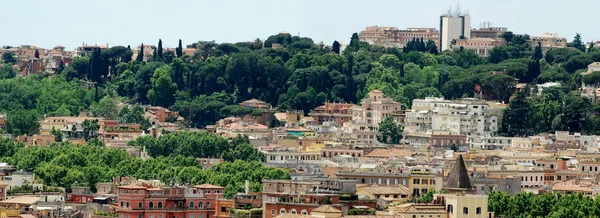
(481, 46)
(113, 133)
(466, 206)
(469, 116)
(168, 202)
(454, 25)
(439, 140)
(332, 112)
(255, 103)
(366, 117)
(293, 197)
(394, 37)
(511, 185)
(549, 40)
(63, 123)
(488, 32)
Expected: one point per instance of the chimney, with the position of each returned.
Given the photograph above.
(247, 187)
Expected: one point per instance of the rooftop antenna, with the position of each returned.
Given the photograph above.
(458, 8)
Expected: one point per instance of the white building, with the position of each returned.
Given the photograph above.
(541, 87)
(453, 25)
(364, 124)
(18, 179)
(469, 116)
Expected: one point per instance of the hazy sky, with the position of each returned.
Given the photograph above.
(70, 23)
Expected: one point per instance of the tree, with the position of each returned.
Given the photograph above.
(431, 47)
(106, 108)
(7, 71)
(537, 55)
(160, 49)
(61, 67)
(8, 58)
(516, 119)
(90, 129)
(22, 122)
(336, 47)
(179, 50)
(140, 56)
(37, 54)
(577, 43)
(58, 135)
(591, 47)
(163, 88)
(390, 131)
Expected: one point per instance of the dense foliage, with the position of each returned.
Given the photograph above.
(64, 165)
(197, 144)
(295, 73)
(527, 204)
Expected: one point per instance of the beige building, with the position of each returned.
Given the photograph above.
(549, 40)
(365, 121)
(64, 123)
(481, 46)
(394, 37)
(390, 194)
(466, 206)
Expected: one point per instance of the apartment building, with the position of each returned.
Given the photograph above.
(488, 32)
(454, 25)
(468, 116)
(366, 117)
(332, 112)
(394, 37)
(137, 201)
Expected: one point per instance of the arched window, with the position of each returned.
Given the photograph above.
(200, 204)
(151, 216)
(159, 205)
(282, 211)
(450, 209)
(151, 206)
(191, 205)
(207, 204)
(293, 211)
(140, 215)
(127, 204)
(304, 212)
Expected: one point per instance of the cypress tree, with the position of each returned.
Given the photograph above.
(179, 50)
(591, 47)
(154, 55)
(140, 56)
(37, 54)
(336, 47)
(538, 52)
(160, 49)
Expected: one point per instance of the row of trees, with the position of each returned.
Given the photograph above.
(526, 204)
(199, 144)
(64, 165)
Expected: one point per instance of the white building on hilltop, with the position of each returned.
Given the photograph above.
(469, 116)
(453, 25)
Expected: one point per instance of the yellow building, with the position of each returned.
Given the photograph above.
(466, 206)
(422, 183)
(9, 212)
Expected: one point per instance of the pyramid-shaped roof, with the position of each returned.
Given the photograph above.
(458, 178)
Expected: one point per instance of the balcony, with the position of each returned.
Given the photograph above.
(177, 209)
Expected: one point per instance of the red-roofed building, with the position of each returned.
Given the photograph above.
(332, 112)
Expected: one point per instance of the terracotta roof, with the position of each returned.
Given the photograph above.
(326, 209)
(253, 101)
(382, 190)
(421, 208)
(458, 178)
(132, 186)
(27, 199)
(289, 215)
(375, 91)
(280, 116)
(390, 153)
(207, 186)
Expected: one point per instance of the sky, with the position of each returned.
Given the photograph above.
(70, 23)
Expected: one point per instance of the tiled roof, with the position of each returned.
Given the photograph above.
(382, 190)
(207, 186)
(458, 178)
(326, 209)
(390, 153)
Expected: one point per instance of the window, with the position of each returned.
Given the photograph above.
(140, 215)
(200, 204)
(450, 209)
(272, 212)
(223, 209)
(207, 204)
(127, 204)
(465, 210)
(121, 204)
(151, 216)
(159, 205)
(191, 215)
(304, 212)
(151, 206)
(293, 211)
(191, 206)
(160, 216)
(416, 181)
(478, 210)
(140, 205)
(207, 191)
(282, 211)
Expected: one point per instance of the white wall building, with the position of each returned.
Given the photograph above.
(469, 116)
(453, 25)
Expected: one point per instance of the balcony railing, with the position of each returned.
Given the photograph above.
(177, 209)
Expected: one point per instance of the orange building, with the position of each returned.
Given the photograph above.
(137, 201)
